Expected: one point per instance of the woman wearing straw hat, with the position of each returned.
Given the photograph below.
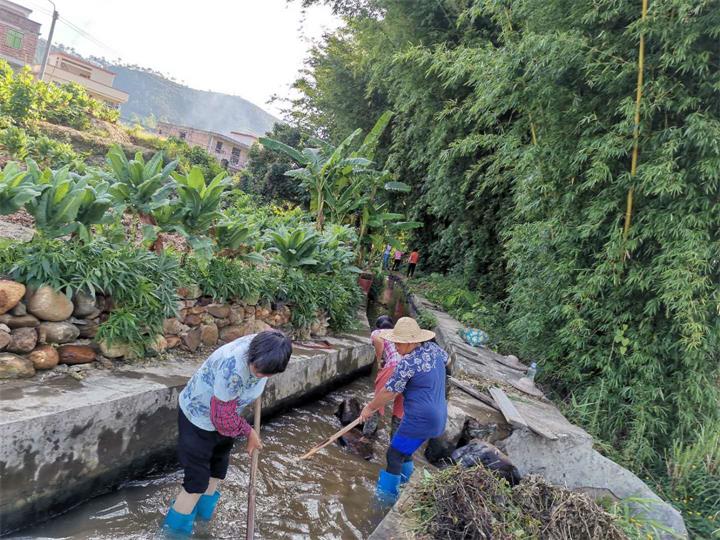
(420, 377)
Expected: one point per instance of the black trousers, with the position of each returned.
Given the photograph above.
(202, 454)
(411, 269)
(396, 265)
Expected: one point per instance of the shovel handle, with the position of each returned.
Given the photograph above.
(253, 473)
(332, 438)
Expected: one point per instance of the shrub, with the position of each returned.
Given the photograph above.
(142, 284)
(227, 279)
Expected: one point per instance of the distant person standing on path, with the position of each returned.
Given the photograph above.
(386, 257)
(420, 377)
(412, 263)
(210, 419)
(397, 260)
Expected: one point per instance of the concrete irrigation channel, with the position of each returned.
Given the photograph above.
(64, 441)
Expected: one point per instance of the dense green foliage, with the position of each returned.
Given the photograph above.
(514, 126)
(26, 100)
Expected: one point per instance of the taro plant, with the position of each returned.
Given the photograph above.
(16, 189)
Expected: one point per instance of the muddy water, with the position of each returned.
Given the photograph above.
(391, 301)
(327, 497)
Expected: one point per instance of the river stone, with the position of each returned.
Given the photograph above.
(160, 344)
(88, 327)
(173, 327)
(237, 315)
(232, 332)
(11, 292)
(22, 340)
(116, 350)
(173, 341)
(85, 305)
(4, 328)
(13, 366)
(44, 357)
(4, 339)
(58, 332)
(76, 354)
(19, 310)
(192, 320)
(191, 292)
(23, 321)
(49, 305)
(209, 334)
(222, 323)
(191, 339)
(219, 311)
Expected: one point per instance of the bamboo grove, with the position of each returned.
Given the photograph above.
(565, 160)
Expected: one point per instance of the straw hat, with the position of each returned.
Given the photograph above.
(407, 331)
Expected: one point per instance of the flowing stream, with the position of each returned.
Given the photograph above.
(330, 496)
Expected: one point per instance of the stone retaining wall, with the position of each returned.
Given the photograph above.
(41, 329)
(65, 440)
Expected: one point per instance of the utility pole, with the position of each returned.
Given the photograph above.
(55, 16)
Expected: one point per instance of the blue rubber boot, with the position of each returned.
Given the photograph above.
(406, 472)
(206, 506)
(179, 524)
(387, 489)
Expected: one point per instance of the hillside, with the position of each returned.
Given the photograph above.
(168, 100)
(153, 93)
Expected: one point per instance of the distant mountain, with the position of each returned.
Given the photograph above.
(154, 93)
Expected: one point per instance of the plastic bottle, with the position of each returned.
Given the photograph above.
(532, 371)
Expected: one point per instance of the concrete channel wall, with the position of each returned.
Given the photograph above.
(63, 441)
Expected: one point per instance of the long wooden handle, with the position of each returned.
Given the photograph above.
(253, 473)
(337, 435)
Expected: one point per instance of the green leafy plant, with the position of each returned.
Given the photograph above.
(294, 248)
(67, 204)
(16, 188)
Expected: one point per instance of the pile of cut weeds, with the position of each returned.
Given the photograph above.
(473, 503)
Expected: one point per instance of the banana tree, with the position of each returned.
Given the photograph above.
(322, 168)
(16, 189)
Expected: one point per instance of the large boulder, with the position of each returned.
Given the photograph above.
(253, 326)
(50, 305)
(76, 354)
(22, 340)
(192, 319)
(44, 357)
(22, 321)
(11, 292)
(13, 366)
(219, 311)
(57, 332)
(173, 327)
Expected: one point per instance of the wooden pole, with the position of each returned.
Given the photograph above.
(253, 473)
(636, 129)
(332, 438)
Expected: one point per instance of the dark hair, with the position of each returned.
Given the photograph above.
(384, 323)
(270, 352)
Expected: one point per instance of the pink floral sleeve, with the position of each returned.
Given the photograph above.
(224, 416)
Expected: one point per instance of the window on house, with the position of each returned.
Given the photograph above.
(218, 146)
(14, 39)
(183, 135)
(235, 155)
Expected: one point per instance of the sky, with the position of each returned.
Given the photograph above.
(249, 48)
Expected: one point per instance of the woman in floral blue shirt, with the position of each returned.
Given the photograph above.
(210, 418)
(420, 377)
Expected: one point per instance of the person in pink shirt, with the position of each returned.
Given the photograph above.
(387, 357)
(397, 259)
